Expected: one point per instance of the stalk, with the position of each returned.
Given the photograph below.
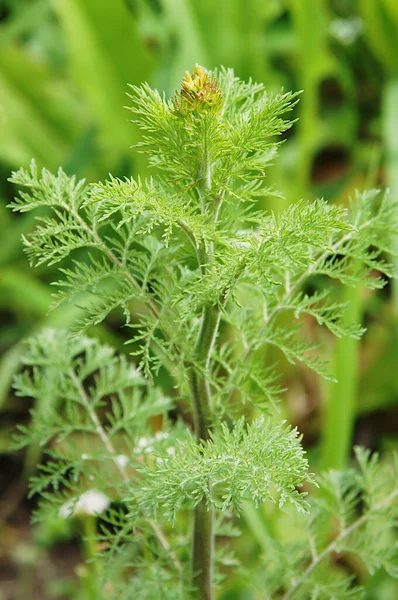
(203, 551)
(88, 572)
(199, 385)
(203, 530)
(203, 526)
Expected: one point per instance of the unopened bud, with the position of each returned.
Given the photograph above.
(199, 92)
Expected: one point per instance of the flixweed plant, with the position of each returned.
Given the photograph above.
(169, 448)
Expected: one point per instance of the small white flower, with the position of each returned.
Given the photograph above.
(85, 456)
(142, 442)
(91, 502)
(121, 460)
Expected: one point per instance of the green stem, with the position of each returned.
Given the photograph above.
(199, 384)
(88, 572)
(203, 526)
(203, 530)
(202, 551)
(203, 534)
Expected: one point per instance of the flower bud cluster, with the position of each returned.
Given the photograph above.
(199, 92)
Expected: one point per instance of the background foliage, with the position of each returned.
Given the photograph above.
(63, 74)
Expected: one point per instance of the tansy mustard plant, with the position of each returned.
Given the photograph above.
(206, 280)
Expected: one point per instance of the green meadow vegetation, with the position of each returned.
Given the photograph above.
(198, 391)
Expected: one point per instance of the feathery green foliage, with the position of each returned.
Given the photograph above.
(354, 512)
(206, 281)
(255, 462)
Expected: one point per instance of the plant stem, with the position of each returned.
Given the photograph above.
(89, 571)
(203, 527)
(202, 551)
(203, 535)
(333, 546)
(203, 531)
(199, 384)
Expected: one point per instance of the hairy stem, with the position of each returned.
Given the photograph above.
(203, 534)
(198, 375)
(203, 527)
(202, 551)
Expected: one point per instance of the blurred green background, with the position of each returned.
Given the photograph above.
(64, 69)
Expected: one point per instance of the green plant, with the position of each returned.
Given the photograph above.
(206, 282)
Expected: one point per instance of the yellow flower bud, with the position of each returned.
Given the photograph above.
(199, 91)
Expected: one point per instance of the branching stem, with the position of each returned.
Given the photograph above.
(203, 529)
(112, 452)
(292, 289)
(203, 534)
(111, 256)
(333, 546)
